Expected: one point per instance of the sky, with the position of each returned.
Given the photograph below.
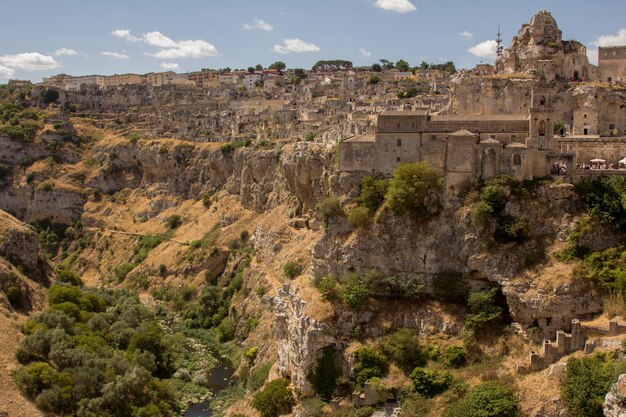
(39, 38)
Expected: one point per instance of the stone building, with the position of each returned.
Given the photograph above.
(612, 63)
(461, 147)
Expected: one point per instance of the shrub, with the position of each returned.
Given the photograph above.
(410, 287)
(4, 171)
(228, 147)
(374, 79)
(354, 293)
(275, 399)
(244, 235)
(133, 138)
(174, 221)
(327, 287)
(489, 399)
(329, 208)
(373, 191)
(450, 286)
(46, 186)
(482, 310)
(604, 198)
(454, 356)
(585, 383)
(63, 293)
(226, 329)
(359, 217)
(368, 363)
(480, 214)
(15, 295)
(429, 383)
(512, 229)
(324, 376)
(404, 348)
(122, 270)
(251, 354)
(49, 96)
(496, 196)
(412, 187)
(68, 277)
(309, 137)
(292, 269)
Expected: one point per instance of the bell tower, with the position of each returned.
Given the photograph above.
(541, 118)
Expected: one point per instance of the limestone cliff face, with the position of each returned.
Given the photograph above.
(61, 204)
(615, 400)
(470, 95)
(401, 247)
(300, 174)
(539, 40)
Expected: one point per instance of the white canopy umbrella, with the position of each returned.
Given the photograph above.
(597, 160)
(623, 161)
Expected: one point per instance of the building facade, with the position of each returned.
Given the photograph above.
(612, 63)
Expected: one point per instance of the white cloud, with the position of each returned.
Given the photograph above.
(466, 34)
(611, 40)
(170, 65)
(365, 53)
(65, 51)
(169, 48)
(29, 61)
(398, 6)
(485, 49)
(259, 24)
(6, 72)
(125, 34)
(605, 40)
(115, 55)
(295, 45)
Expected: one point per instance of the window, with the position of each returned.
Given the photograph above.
(585, 115)
(517, 160)
(542, 128)
(413, 125)
(433, 137)
(398, 126)
(513, 137)
(399, 142)
(397, 159)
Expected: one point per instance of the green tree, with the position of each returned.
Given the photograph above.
(489, 399)
(275, 399)
(404, 348)
(359, 217)
(278, 65)
(430, 383)
(376, 67)
(368, 363)
(585, 383)
(402, 65)
(412, 188)
(482, 310)
(329, 208)
(325, 375)
(373, 191)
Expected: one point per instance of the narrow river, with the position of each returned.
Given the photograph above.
(219, 378)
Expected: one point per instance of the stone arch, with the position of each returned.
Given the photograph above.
(488, 167)
(542, 128)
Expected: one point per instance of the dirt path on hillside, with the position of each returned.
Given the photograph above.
(12, 403)
(121, 232)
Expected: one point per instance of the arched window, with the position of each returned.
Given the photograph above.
(542, 128)
(542, 101)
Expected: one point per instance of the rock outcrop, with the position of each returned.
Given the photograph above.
(615, 401)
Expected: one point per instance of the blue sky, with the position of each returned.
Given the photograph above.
(43, 37)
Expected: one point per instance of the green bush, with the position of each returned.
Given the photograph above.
(585, 383)
(68, 277)
(329, 208)
(496, 196)
(174, 221)
(480, 213)
(228, 147)
(368, 363)
(227, 329)
(354, 293)
(63, 293)
(512, 229)
(46, 186)
(404, 348)
(4, 171)
(454, 356)
(607, 269)
(133, 138)
(429, 383)
(326, 373)
(450, 286)
(15, 295)
(327, 287)
(412, 188)
(122, 270)
(359, 217)
(251, 354)
(409, 287)
(291, 269)
(49, 95)
(605, 199)
(372, 193)
(275, 399)
(482, 310)
(489, 399)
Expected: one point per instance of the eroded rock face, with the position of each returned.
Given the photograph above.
(539, 40)
(615, 400)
